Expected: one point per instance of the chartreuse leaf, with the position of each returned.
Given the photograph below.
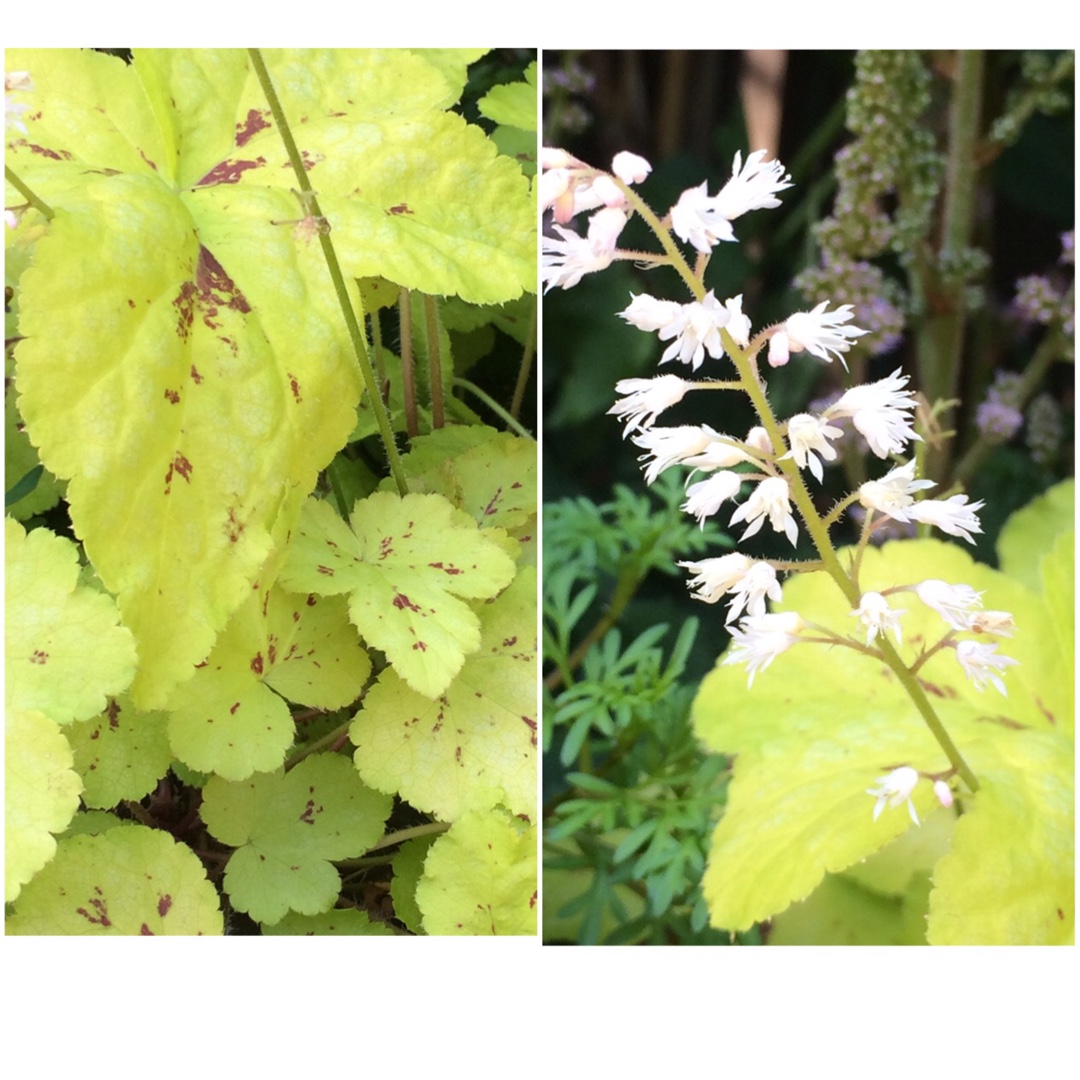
(453, 63)
(130, 880)
(120, 754)
(816, 731)
(185, 363)
(1009, 878)
(488, 473)
(1031, 531)
(162, 372)
(316, 659)
(404, 563)
(92, 822)
(842, 912)
(347, 922)
(287, 827)
(475, 745)
(480, 878)
(512, 103)
(879, 901)
(231, 718)
(408, 871)
(41, 794)
(30, 489)
(64, 650)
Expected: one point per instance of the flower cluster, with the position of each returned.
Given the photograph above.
(768, 464)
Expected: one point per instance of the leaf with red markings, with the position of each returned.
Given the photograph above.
(128, 880)
(408, 565)
(230, 717)
(287, 827)
(475, 745)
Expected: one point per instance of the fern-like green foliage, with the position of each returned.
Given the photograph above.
(184, 379)
(628, 827)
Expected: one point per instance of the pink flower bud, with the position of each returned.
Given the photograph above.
(943, 793)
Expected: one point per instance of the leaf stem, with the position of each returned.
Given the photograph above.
(36, 202)
(525, 370)
(320, 744)
(494, 406)
(432, 828)
(359, 342)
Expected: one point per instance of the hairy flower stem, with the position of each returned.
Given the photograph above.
(311, 205)
(408, 364)
(431, 325)
(31, 198)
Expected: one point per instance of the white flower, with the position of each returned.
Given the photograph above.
(570, 191)
(566, 261)
(646, 399)
(752, 186)
(707, 496)
(807, 434)
(878, 617)
(992, 622)
(952, 516)
(716, 577)
(894, 789)
(703, 221)
(760, 639)
(944, 793)
(695, 326)
(647, 313)
(757, 438)
(695, 221)
(878, 410)
(721, 453)
(749, 583)
(696, 331)
(818, 332)
(630, 168)
(670, 446)
(551, 157)
(954, 603)
(750, 592)
(980, 664)
(738, 325)
(770, 498)
(891, 495)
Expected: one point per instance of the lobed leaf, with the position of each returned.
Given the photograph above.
(129, 880)
(287, 828)
(404, 563)
(475, 745)
(813, 735)
(120, 754)
(480, 878)
(41, 794)
(64, 650)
